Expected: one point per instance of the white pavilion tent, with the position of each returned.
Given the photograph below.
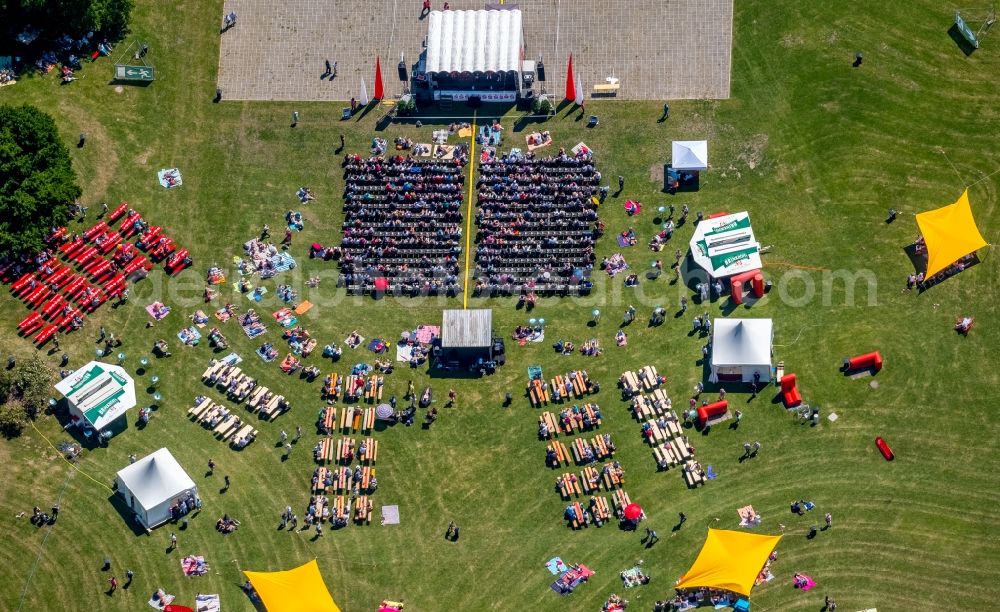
(741, 347)
(689, 155)
(153, 485)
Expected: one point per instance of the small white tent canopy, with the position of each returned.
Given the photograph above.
(741, 347)
(689, 155)
(98, 393)
(154, 484)
(474, 41)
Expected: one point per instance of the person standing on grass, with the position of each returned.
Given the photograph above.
(211, 466)
(113, 581)
(342, 141)
(829, 520)
(283, 436)
(621, 182)
(173, 541)
(682, 518)
(226, 480)
(452, 396)
(747, 449)
(288, 450)
(298, 434)
(684, 304)
(756, 448)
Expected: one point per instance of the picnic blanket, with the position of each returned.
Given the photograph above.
(464, 132)
(303, 307)
(580, 148)
(748, 517)
(170, 178)
(263, 353)
(427, 333)
(189, 335)
(257, 294)
(443, 151)
(282, 261)
(232, 359)
(624, 241)
(157, 310)
(631, 577)
(254, 329)
(806, 584)
(223, 314)
(534, 372)
(616, 264)
(710, 472)
(160, 599)
(285, 318)
(556, 566)
(207, 603)
(378, 345)
(199, 318)
(194, 565)
(390, 515)
(404, 352)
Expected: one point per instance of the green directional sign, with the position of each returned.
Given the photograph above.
(124, 72)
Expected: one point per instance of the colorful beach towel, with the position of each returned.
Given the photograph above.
(157, 310)
(207, 603)
(170, 178)
(556, 566)
(193, 565)
(303, 307)
(160, 599)
(404, 352)
(189, 336)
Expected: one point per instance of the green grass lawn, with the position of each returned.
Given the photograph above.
(816, 150)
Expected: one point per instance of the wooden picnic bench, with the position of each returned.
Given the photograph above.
(610, 477)
(692, 474)
(199, 408)
(630, 382)
(580, 447)
(345, 449)
(228, 427)
(328, 417)
(246, 430)
(342, 508)
(580, 520)
(346, 416)
(607, 88)
(320, 486)
(538, 393)
(550, 422)
(229, 375)
(621, 500)
(256, 397)
(591, 479)
(363, 512)
(562, 454)
(664, 456)
(367, 472)
(271, 410)
(599, 507)
(650, 378)
(368, 421)
(578, 378)
(601, 448)
(330, 388)
(569, 485)
(214, 367)
(371, 451)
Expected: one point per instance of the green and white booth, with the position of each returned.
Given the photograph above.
(98, 394)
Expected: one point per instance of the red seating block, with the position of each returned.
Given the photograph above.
(867, 360)
(46, 334)
(883, 448)
(710, 411)
(789, 392)
(118, 212)
(98, 229)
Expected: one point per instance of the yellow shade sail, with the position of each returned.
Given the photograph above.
(950, 233)
(729, 560)
(296, 590)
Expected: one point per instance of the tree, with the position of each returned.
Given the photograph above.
(23, 394)
(74, 17)
(37, 182)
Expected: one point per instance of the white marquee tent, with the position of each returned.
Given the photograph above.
(98, 393)
(474, 41)
(689, 155)
(152, 485)
(741, 347)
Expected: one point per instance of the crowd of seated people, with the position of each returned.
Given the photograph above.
(537, 224)
(403, 223)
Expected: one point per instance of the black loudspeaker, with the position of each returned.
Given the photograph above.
(401, 69)
(475, 102)
(540, 67)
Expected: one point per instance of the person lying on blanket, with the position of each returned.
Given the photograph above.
(353, 340)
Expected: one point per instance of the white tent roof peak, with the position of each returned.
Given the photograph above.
(155, 479)
(741, 342)
(689, 155)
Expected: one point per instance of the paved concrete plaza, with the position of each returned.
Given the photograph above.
(659, 49)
